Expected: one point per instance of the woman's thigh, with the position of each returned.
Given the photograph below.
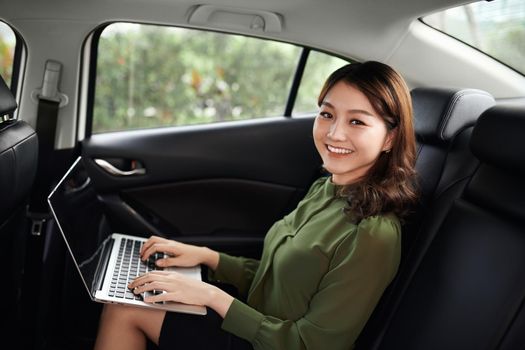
(148, 321)
(124, 327)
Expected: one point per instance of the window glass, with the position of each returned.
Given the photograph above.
(496, 28)
(151, 76)
(7, 52)
(317, 69)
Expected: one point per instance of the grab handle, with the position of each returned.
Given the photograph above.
(113, 170)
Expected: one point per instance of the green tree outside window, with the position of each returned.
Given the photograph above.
(7, 52)
(154, 76)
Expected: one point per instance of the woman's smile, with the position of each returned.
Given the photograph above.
(338, 151)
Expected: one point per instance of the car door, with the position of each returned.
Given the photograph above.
(219, 186)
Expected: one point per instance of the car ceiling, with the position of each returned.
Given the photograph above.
(335, 25)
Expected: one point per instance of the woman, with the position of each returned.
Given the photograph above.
(325, 265)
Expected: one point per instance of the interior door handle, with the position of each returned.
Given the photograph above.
(113, 170)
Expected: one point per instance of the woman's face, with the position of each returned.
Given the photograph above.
(349, 134)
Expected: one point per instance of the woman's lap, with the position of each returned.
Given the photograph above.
(186, 331)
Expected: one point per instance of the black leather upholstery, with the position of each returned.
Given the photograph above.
(501, 142)
(466, 288)
(18, 156)
(439, 115)
(18, 162)
(18, 159)
(443, 121)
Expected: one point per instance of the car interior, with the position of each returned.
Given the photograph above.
(194, 122)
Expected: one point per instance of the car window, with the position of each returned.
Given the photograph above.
(151, 76)
(496, 28)
(7, 52)
(317, 69)
(154, 76)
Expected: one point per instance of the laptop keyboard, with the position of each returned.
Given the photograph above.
(129, 266)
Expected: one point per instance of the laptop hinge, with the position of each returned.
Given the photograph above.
(101, 269)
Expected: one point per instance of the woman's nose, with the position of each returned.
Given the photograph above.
(336, 131)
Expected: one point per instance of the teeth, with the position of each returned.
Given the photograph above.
(338, 150)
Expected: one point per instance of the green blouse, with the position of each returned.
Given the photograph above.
(319, 277)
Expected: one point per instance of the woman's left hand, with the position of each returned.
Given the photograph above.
(177, 287)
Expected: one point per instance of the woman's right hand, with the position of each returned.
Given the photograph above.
(179, 254)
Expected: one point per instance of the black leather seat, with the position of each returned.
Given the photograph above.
(466, 289)
(18, 157)
(18, 162)
(441, 117)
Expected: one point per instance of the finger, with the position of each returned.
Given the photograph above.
(153, 286)
(148, 287)
(161, 297)
(155, 298)
(167, 297)
(168, 248)
(159, 273)
(140, 280)
(151, 240)
(154, 248)
(165, 291)
(148, 278)
(173, 261)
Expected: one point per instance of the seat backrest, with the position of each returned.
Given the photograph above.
(439, 116)
(18, 157)
(467, 291)
(18, 162)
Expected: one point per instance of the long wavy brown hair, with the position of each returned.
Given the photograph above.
(390, 184)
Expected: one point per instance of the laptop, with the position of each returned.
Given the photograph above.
(107, 261)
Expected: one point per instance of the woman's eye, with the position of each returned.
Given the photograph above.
(356, 122)
(325, 115)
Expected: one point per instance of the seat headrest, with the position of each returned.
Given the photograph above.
(439, 113)
(7, 101)
(497, 138)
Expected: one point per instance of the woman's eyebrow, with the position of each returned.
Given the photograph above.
(350, 111)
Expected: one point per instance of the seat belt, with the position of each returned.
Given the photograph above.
(49, 102)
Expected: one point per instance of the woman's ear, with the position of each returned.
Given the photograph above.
(389, 141)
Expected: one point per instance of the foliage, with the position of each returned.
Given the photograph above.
(496, 28)
(150, 76)
(155, 76)
(508, 46)
(318, 68)
(6, 60)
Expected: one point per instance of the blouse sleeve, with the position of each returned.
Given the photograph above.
(237, 271)
(361, 268)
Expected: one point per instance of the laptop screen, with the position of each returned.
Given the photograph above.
(80, 218)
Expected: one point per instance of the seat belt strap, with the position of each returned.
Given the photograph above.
(49, 102)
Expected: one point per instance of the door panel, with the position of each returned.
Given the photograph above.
(221, 185)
